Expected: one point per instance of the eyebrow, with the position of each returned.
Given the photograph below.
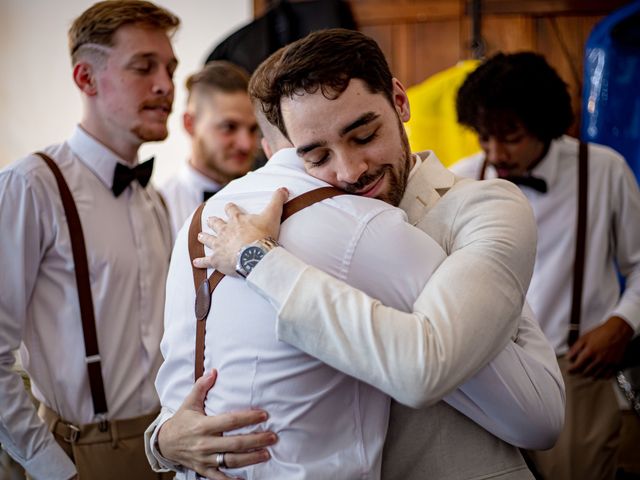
(364, 119)
(151, 56)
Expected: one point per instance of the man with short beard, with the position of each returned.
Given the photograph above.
(85, 250)
(224, 138)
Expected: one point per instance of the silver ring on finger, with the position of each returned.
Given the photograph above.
(220, 460)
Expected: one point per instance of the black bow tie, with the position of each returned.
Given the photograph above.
(207, 194)
(124, 175)
(528, 181)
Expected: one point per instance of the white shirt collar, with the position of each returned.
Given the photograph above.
(96, 156)
(199, 180)
(547, 169)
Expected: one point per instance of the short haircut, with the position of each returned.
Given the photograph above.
(515, 88)
(98, 24)
(325, 60)
(218, 76)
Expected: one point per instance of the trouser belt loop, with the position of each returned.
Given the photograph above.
(114, 433)
(67, 431)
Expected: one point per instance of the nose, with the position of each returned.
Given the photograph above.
(163, 82)
(495, 151)
(350, 168)
(246, 140)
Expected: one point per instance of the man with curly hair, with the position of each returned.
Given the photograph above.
(520, 108)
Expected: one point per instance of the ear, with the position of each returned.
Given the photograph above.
(266, 148)
(188, 122)
(84, 77)
(400, 100)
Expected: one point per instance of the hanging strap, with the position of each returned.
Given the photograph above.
(92, 355)
(483, 169)
(205, 286)
(581, 240)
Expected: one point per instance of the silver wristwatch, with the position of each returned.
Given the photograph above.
(250, 255)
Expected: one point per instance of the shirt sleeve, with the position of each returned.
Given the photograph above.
(464, 316)
(22, 434)
(626, 233)
(519, 396)
(156, 460)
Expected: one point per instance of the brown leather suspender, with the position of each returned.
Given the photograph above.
(581, 241)
(83, 284)
(205, 286)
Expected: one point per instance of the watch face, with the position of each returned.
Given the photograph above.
(250, 257)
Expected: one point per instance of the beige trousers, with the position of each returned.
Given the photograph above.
(588, 445)
(114, 454)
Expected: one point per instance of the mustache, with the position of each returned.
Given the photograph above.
(165, 103)
(365, 180)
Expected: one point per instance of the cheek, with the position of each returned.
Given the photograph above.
(324, 173)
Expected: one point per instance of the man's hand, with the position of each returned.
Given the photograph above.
(192, 439)
(241, 229)
(598, 353)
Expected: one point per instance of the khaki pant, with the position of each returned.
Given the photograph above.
(114, 454)
(588, 445)
(629, 459)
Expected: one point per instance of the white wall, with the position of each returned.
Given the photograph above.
(39, 103)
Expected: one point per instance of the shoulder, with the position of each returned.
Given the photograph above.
(488, 210)
(468, 167)
(171, 187)
(31, 172)
(361, 209)
(478, 194)
(601, 157)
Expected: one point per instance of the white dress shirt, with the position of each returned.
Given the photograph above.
(329, 425)
(128, 246)
(613, 234)
(184, 192)
(518, 396)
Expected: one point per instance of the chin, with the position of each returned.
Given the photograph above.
(151, 134)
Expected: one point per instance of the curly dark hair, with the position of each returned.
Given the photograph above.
(325, 60)
(508, 89)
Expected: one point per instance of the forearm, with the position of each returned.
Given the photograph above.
(23, 435)
(515, 398)
(415, 357)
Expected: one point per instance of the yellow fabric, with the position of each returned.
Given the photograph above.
(434, 123)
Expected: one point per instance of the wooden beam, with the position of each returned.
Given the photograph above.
(388, 13)
(550, 7)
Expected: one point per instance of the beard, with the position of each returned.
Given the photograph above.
(214, 164)
(147, 134)
(397, 174)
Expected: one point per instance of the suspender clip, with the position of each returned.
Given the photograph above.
(103, 423)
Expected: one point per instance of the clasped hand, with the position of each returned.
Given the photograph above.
(239, 230)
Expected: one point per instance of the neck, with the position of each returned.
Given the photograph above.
(211, 174)
(536, 162)
(126, 150)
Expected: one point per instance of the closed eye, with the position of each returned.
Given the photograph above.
(317, 162)
(367, 139)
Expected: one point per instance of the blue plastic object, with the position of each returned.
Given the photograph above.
(611, 98)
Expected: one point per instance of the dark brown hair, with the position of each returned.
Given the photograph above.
(325, 60)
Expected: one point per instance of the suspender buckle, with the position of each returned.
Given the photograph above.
(574, 327)
(92, 359)
(103, 423)
(72, 436)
